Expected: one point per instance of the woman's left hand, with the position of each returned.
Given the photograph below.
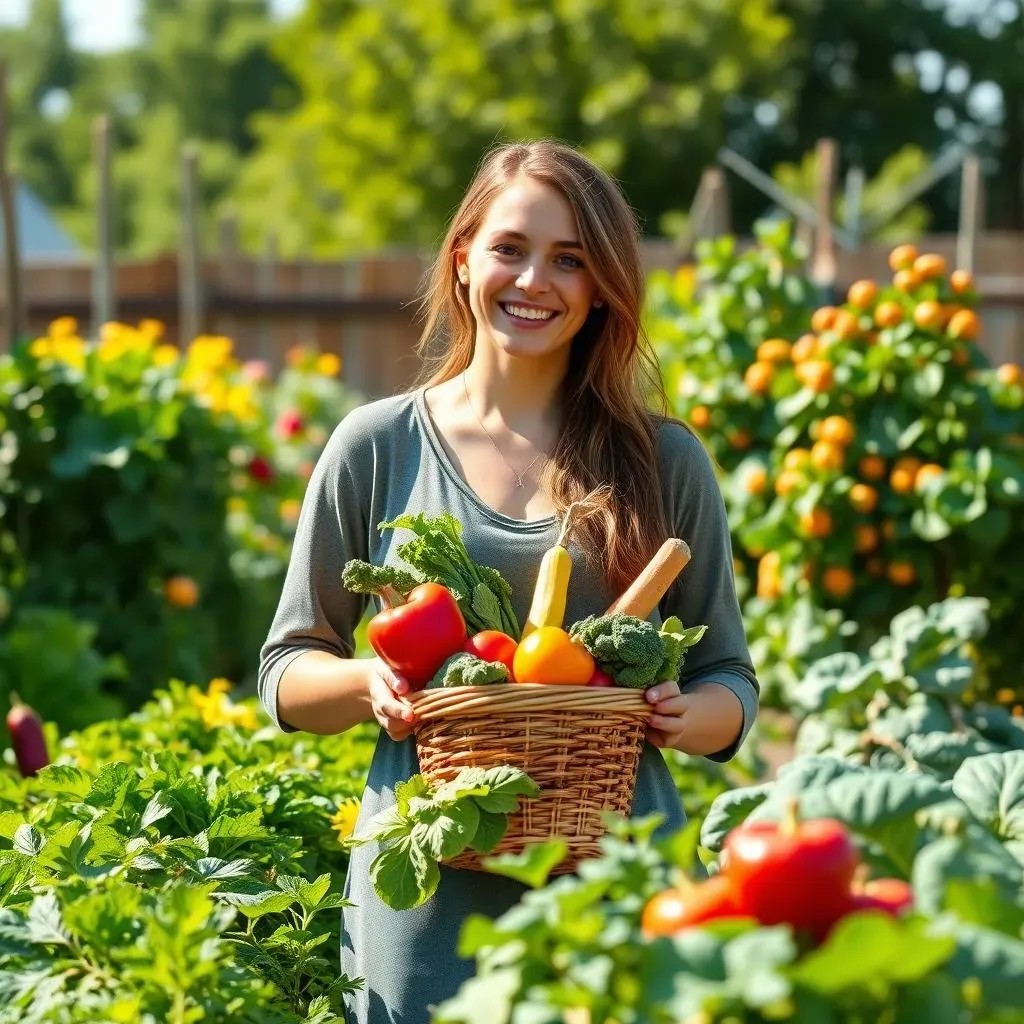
(704, 720)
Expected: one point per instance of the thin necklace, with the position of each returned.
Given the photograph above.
(519, 476)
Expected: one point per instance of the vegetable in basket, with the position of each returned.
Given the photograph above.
(550, 656)
(493, 645)
(465, 669)
(635, 652)
(438, 554)
(421, 625)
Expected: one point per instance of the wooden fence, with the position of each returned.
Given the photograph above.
(364, 310)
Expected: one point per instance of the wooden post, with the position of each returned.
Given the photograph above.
(718, 219)
(972, 213)
(266, 284)
(823, 262)
(854, 198)
(227, 278)
(103, 309)
(190, 282)
(12, 258)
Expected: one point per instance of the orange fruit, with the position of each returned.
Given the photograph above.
(700, 416)
(864, 498)
(816, 523)
(961, 281)
(903, 474)
(964, 324)
(845, 325)
(931, 264)
(756, 480)
(823, 318)
(901, 573)
(865, 538)
(837, 581)
(1009, 373)
(888, 314)
(815, 374)
(797, 458)
(927, 472)
(739, 439)
(862, 294)
(906, 280)
(902, 256)
(827, 455)
(758, 377)
(804, 348)
(181, 591)
(871, 467)
(774, 350)
(929, 315)
(788, 480)
(838, 430)
(769, 579)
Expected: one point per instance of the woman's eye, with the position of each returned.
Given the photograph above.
(504, 249)
(572, 261)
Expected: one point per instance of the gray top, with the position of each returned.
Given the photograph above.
(386, 458)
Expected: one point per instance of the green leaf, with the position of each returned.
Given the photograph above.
(395, 879)
(110, 788)
(65, 779)
(256, 901)
(44, 925)
(450, 832)
(993, 961)
(486, 999)
(28, 840)
(505, 784)
(992, 786)
(213, 869)
(242, 827)
(728, 810)
(486, 606)
(754, 964)
(931, 1000)
(973, 854)
(531, 867)
(156, 809)
(490, 831)
(414, 787)
(871, 947)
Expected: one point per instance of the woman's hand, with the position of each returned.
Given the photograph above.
(387, 688)
(703, 721)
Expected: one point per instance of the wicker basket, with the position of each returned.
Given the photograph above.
(580, 744)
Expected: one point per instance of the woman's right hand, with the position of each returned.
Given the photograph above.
(396, 715)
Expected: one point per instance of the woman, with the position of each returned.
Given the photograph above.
(537, 397)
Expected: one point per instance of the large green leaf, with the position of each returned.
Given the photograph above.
(992, 786)
(991, 961)
(533, 866)
(728, 810)
(972, 854)
(447, 833)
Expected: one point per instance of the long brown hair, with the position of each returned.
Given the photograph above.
(608, 434)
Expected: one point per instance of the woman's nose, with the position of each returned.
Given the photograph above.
(532, 279)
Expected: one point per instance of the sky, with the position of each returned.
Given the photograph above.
(111, 31)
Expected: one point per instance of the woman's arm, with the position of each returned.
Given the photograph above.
(718, 690)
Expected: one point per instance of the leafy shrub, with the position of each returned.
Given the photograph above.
(178, 865)
(151, 494)
(882, 462)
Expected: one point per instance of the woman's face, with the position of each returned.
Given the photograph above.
(530, 289)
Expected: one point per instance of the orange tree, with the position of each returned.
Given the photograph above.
(893, 474)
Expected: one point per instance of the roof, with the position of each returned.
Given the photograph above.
(40, 235)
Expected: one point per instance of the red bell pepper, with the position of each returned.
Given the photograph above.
(416, 636)
(791, 871)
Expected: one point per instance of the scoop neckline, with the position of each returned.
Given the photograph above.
(448, 468)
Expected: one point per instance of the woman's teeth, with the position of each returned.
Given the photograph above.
(525, 313)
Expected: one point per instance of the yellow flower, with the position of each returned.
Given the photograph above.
(241, 403)
(216, 709)
(209, 352)
(41, 348)
(328, 364)
(63, 327)
(70, 351)
(236, 504)
(344, 820)
(289, 510)
(152, 328)
(165, 355)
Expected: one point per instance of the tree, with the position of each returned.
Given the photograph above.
(400, 101)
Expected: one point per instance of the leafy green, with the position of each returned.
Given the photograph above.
(432, 823)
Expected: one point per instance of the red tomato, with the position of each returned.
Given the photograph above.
(493, 645)
(795, 872)
(600, 678)
(673, 910)
(892, 895)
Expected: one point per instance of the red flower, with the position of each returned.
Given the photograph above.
(260, 469)
(289, 423)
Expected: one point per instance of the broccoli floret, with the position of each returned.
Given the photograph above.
(386, 581)
(629, 649)
(465, 669)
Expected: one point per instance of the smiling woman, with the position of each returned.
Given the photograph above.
(536, 397)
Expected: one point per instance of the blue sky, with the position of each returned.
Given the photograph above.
(114, 28)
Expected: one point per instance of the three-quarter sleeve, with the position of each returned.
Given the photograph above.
(315, 612)
(705, 592)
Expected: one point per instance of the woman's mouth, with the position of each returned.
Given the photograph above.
(529, 317)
